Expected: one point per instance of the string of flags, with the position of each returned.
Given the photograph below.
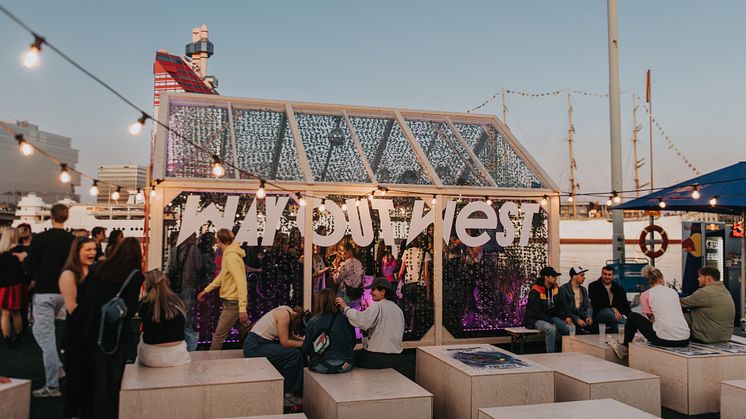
(671, 145)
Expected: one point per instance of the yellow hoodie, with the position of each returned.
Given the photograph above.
(232, 277)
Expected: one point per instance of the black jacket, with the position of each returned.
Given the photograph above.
(341, 335)
(46, 258)
(11, 269)
(541, 304)
(600, 298)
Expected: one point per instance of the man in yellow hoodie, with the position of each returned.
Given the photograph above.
(232, 283)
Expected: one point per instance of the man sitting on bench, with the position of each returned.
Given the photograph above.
(711, 308)
(608, 300)
(541, 310)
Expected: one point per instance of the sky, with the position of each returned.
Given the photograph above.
(431, 55)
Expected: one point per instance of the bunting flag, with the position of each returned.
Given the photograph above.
(671, 145)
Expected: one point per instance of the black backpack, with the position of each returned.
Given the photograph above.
(323, 340)
(113, 312)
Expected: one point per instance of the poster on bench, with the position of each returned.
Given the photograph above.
(690, 350)
(728, 347)
(482, 358)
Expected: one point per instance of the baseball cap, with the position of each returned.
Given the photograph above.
(575, 270)
(381, 282)
(548, 271)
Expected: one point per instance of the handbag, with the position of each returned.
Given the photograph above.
(112, 312)
(323, 340)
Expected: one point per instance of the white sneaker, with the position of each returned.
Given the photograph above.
(619, 350)
(46, 392)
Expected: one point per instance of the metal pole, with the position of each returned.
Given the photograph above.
(649, 98)
(570, 132)
(616, 131)
(743, 272)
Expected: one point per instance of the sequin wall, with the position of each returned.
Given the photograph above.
(487, 286)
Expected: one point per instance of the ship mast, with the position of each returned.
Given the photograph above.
(638, 162)
(570, 132)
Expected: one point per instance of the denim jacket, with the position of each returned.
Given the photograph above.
(566, 300)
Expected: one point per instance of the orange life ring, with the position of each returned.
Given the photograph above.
(649, 252)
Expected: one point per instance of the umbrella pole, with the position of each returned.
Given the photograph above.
(743, 271)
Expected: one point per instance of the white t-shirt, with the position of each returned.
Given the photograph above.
(266, 327)
(669, 321)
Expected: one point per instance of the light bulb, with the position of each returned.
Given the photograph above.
(31, 59)
(261, 193)
(357, 202)
(322, 207)
(115, 195)
(64, 174)
(383, 191)
(302, 202)
(544, 200)
(617, 199)
(153, 193)
(26, 148)
(609, 202)
(370, 196)
(695, 192)
(217, 169)
(344, 207)
(662, 204)
(488, 201)
(94, 189)
(714, 200)
(136, 127)
(139, 196)
(570, 199)
(434, 200)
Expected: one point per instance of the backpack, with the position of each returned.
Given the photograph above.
(113, 312)
(322, 341)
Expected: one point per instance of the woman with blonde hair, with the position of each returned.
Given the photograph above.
(162, 341)
(663, 323)
(12, 283)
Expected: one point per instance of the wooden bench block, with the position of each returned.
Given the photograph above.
(212, 355)
(579, 376)
(202, 389)
(593, 345)
(363, 394)
(733, 399)
(690, 384)
(589, 409)
(290, 416)
(15, 399)
(460, 389)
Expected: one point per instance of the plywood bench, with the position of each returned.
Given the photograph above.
(363, 394)
(593, 345)
(519, 335)
(212, 355)
(289, 416)
(579, 376)
(15, 399)
(202, 389)
(732, 399)
(690, 384)
(589, 409)
(461, 388)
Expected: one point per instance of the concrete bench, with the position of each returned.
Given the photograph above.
(732, 399)
(579, 376)
(363, 394)
(202, 389)
(690, 383)
(593, 345)
(519, 335)
(589, 409)
(213, 355)
(15, 399)
(462, 385)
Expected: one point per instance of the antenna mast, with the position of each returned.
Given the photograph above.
(570, 132)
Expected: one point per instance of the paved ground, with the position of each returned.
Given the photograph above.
(25, 362)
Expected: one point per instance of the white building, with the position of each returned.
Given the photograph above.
(130, 177)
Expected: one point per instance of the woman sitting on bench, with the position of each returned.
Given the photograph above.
(273, 337)
(162, 342)
(337, 356)
(663, 323)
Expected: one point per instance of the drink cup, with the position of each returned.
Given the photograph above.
(602, 329)
(572, 329)
(621, 329)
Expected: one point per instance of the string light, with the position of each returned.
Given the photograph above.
(570, 198)
(383, 190)
(616, 198)
(357, 202)
(661, 203)
(301, 200)
(488, 201)
(609, 202)
(322, 207)
(94, 189)
(261, 193)
(24, 146)
(370, 196)
(116, 194)
(64, 174)
(136, 127)
(344, 207)
(153, 192)
(544, 200)
(695, 192)
(434, 200)
(139, 195)
(217, 167)
(714, 200)
(31, 58)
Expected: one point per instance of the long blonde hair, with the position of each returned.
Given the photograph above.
(166, 304)
(9, 239)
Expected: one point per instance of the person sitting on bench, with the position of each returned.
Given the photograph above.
(541, 310)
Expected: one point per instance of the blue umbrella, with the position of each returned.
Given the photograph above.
(727, 186)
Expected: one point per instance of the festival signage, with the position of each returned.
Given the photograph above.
(471, 222)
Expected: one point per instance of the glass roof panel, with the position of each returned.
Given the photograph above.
(502, 162)
(446, 154)
(388, 151)
(203, 125)
(265, 145)
(330, 149)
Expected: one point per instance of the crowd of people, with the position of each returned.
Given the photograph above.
(665, 319)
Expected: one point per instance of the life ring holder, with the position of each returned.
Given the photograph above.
(649, 251)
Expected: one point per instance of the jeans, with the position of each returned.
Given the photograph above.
(550, 331)
(287, 361)
(46, 307)
(607, 317)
